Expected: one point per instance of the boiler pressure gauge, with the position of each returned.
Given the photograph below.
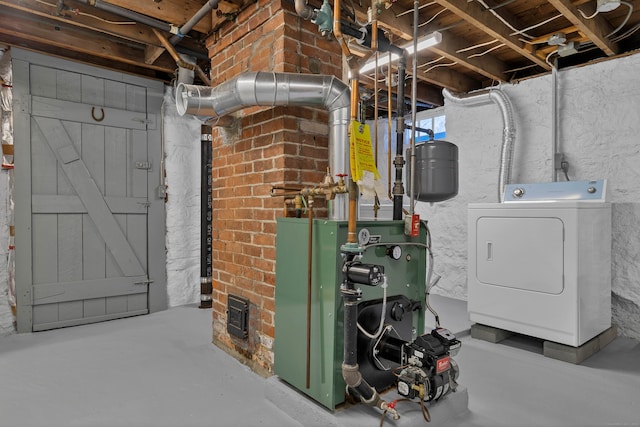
(394, 251)
(363, 236)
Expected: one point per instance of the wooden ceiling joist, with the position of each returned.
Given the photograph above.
(595, 29)
(176, 12)
(62, 36)
(473, 13)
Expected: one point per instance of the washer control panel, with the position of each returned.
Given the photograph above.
(554, 191)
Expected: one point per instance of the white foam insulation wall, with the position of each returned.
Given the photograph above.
(182, 165)
(599, 128)
(6, 137)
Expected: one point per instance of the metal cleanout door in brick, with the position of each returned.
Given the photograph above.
(89, 218)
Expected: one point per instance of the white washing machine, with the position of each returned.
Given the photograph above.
(540, 262)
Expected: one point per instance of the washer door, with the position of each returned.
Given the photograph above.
(521, 253)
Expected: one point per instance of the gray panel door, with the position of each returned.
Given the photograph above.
(91, 189)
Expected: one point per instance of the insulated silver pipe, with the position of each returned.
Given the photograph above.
(279, 89)
(498, 97)
(182, 31)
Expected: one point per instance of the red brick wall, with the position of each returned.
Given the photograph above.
(271, 146)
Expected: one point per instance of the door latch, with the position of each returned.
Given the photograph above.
(143, 165)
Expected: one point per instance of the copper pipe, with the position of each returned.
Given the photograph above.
(389, 124)
(353, 188)
(179, 61)
(309, 280)
(374, 25)
(337, 32)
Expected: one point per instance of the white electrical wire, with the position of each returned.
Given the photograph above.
(431, 62)
(504, 21)
(549, 56)
(382, 315)
(626, 19)
(408, 11)
(466, 49)
(584, 15)
(486, 51)
(432, 18)
(77, 12)
(539, 24)
(441, 65)
(631, 31)
(513, 70)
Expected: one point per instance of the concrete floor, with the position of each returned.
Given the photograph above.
(161, 370)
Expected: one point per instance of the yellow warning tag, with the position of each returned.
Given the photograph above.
(361, 152)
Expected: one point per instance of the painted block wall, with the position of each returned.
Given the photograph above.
(599, 134)
(269, 146)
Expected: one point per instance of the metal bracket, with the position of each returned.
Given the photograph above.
(150, 121)
(24, 103)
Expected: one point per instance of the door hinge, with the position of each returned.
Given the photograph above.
(143, 165)
(143, 282)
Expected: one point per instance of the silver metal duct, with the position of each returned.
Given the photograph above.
(498, 97)
(279, 89)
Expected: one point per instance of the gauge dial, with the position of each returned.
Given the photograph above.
(363, 236)
(394, 251)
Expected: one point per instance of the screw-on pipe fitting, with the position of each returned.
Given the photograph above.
(305, 11)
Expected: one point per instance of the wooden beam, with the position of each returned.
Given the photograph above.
(595, 29)
(476, 15)
(138, 33)
(151, 53)
(62, 36)
(427, 93)
(401, 26)
(85, 58)
(448, 78)
(176, 12)
(488, 65)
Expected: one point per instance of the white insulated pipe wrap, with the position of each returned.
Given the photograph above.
(279, 89)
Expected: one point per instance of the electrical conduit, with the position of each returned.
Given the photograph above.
(499, 98)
